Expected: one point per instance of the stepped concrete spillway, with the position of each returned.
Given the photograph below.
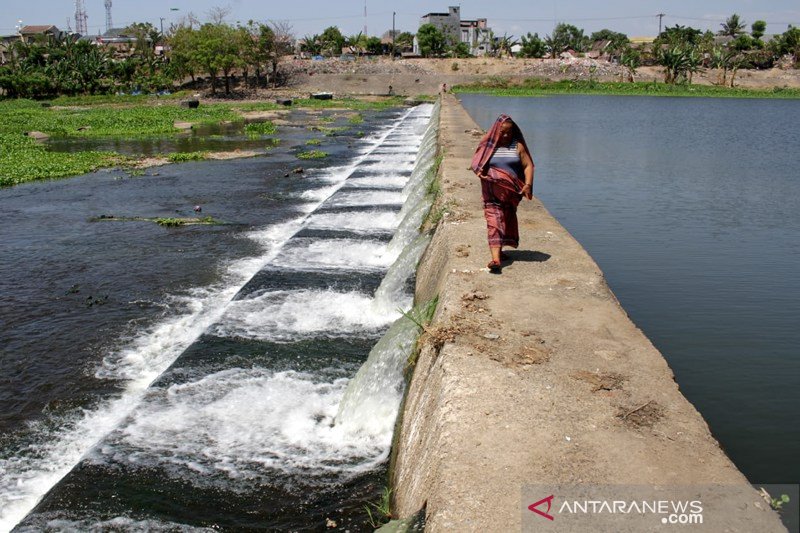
(537, 378)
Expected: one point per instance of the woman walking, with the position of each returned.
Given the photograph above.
(505, 167)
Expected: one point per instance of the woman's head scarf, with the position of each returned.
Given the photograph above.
(488, 144)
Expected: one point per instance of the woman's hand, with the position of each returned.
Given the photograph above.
(527, 191)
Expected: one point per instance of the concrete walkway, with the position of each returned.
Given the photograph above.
(538, 377)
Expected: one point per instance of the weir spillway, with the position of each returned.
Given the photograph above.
(244, 412)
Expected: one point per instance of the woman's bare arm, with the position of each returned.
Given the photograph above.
(527, 170)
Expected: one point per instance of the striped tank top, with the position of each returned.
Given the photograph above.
(506, 158)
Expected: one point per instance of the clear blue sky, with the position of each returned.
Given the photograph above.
(515, 17)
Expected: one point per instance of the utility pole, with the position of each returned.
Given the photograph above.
(162, 25)
(660, 16)
(393, 33)
(365, 18)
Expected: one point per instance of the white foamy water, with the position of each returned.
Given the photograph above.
(347, 254)
(358, 222)
(242, 425)
(29, 474)
(366, 198)
(387, 182)
(287, 315)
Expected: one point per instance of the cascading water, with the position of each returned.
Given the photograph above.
(240, 424)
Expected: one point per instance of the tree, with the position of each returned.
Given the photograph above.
(679, 35)
(565, 37)
(676, 62)
(460, 49)
(180, 61)
(616, 41)
(332, 41)
(374, 45)
(742, 42)
(757, 29)
(216, 47)
(630, 59)
(532, 46)
(282, 44)
(312, 44)
(787, 43)
(404, 40)
(504, 44)
(431, 40)
(732, 27)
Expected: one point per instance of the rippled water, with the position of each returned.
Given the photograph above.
(691, 206)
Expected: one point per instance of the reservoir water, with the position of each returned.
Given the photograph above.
(691, 207)
(170, 379)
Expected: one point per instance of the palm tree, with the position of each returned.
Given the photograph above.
(733, 26)
(505, 43)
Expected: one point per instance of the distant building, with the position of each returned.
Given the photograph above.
(474, 33)
(34, 33)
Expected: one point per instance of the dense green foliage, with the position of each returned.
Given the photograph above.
(532, 46)
(566, 37)
(432, 42)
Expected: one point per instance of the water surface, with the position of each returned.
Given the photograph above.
(691, 207)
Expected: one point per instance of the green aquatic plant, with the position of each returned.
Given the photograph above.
(23, 159)
(313, 142)
(181, 157)
(261, 128)
(383, 509)
(358, 118)
(312, 154)
(421, 315)
(172, 222)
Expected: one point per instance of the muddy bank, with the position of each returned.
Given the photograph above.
(538, 377)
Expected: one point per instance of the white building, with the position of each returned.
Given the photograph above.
(474, 33)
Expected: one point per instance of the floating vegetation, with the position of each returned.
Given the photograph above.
(313, 154)
(170, 222)
(182, 157)
(358, 118)
(261, 128)
(313, 142)
(23, 159)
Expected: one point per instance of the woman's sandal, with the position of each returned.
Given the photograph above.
(494, 267)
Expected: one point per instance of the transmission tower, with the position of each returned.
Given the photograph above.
(109, 25)
(80, 18)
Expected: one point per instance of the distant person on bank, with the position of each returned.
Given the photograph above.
(505, 167)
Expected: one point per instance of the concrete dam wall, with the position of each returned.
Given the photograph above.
(537, 378)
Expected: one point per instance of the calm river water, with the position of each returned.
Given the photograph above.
(691, 207)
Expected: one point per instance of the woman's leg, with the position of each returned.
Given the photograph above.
(511, 233)
(495, 224)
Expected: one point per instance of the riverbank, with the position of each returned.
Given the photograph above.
(538, 377)
(539, 87)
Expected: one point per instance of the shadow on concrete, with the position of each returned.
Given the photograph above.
(526, 255)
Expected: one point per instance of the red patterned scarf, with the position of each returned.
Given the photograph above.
(486, 149)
